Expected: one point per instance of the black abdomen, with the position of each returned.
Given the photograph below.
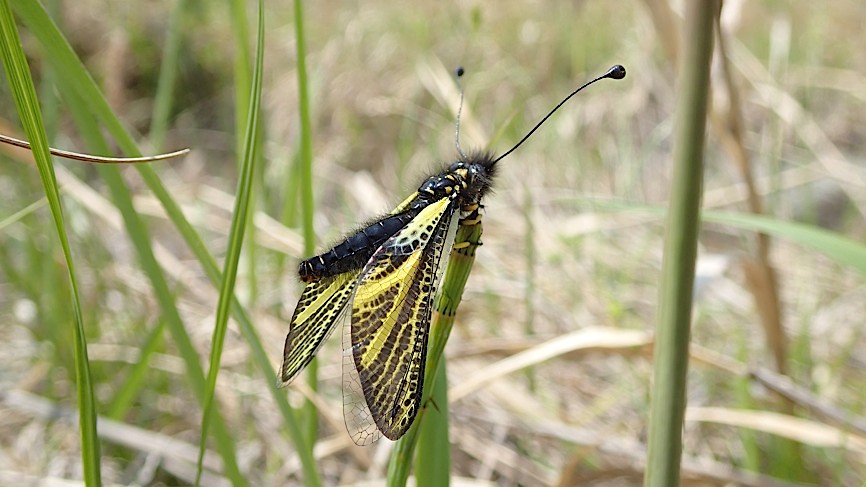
(353, 252)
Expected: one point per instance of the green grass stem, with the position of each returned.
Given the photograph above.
(61, 56)
(24, 93)
(240, 217)
(432, 458)
(305, 159)
(163, 99)
(845, 251)
(436, 450)
(139, 236)
(671, 353)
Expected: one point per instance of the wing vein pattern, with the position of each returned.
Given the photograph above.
(385, 343)
(322, 305)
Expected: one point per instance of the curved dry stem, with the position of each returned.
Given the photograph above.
(77, 156)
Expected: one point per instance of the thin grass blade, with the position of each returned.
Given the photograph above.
(24, 93)
(139, 236)
(459, 267)
(846, 251)
(164, 96)
(240, 216)
(305, 159)
(64, 59)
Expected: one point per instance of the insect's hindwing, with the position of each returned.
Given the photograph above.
(385, 346)
(319, 310)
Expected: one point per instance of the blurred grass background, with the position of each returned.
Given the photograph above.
(549, 358)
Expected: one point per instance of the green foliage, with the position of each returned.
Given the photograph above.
(24, 92)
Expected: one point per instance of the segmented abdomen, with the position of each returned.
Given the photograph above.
(353, 252)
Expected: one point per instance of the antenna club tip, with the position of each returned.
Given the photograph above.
(616, 71)
(459, 71)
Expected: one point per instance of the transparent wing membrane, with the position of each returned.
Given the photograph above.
(385, 343)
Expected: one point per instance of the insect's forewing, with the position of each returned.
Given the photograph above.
(385, 344)
(319, 310)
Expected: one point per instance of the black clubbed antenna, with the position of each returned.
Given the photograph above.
(615, 72)
(459, 73)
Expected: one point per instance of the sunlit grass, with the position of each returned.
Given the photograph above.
(23, 90)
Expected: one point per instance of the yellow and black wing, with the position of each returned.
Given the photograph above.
(319, 310)
(385, 343)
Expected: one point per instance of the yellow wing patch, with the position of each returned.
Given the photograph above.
(385, 345)
(393, 281)
(322, 305)
(405, 204)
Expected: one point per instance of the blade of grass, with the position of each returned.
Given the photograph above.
(288, 209)
(24, 93)
(847, 252)
(243, 72)
(243, 68)
(306, 142)
(436, 449)
(75, 86)
(36, 205)
(433, 458)
(49, 100)
(136, 379)
(236, 235)
(140, 238)
(670, 357)
(261, 359)
(64, 59)
(164, 96)
(305, 158)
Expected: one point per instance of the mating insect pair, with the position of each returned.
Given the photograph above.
(388, 274)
